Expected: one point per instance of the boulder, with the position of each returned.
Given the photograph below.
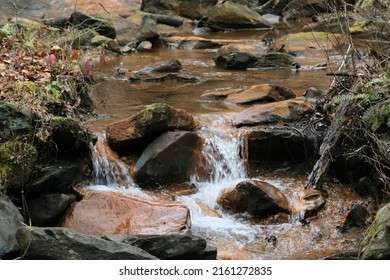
(256, 197)
(64, 244)
(236, 56)
(57, 177)
(171, 158)
(171, 65)
(158, 77)
(102, 25)
(16, 122)
(184, 8)
(220, 94)
(231, 15)
(135, 133)
(262, 93)
(69, 137)
(280, 143)
(148, 29)
(376, 243)
(282, 111)
(47, 209)
(297, 9)
(166, 247)
(17, 163)
(193, 42)
(105, 213)
(10, 221)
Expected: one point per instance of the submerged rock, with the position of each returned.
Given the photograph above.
(357, 217)
(170, 158)
(10, 221)
(135, 133)
(65, 244)
(167, 247)
(105, 213)
(172, 65)
(376, 243)
(286, 111)
(256, 197)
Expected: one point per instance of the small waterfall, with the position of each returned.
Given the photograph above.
(110, 173)
(221, 166)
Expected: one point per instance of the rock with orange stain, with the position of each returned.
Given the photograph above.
(136, 132)
(105, 213)
(255, 197)
(287, 111)
(309, 203)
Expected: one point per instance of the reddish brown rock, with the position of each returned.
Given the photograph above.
(309, 203)
(258, 198)
(286, 111)
(135, 133)
(263, 93)
(105, 213)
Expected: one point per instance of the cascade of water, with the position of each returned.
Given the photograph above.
(110, 173)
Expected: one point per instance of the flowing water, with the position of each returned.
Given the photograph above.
(236, 236)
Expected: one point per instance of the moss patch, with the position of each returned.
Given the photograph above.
(17, 161)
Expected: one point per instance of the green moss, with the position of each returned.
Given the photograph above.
(377, 115)
(65, 124)
(17, 161)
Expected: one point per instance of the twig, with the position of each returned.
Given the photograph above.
(103, 8)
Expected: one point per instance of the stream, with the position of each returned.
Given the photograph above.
(236, 236)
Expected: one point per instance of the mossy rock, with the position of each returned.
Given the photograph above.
(16, 122)
(376, 244)
(69, 136)
(17, 162)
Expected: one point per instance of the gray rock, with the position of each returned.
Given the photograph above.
(256, 197)
(10, 221)
(101, 25)
(148, 30)
(48, 208)
(56, 178)
(172, 65)
(376, 243)
(169, 159)
(166, 247)
(65, 244)
(16, 122)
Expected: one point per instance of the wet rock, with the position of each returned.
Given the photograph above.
(308, 42)
(235, 56)
(16, 122)
(135, 133)
(193, 42)
(376, 243)
(57, 177)
(157, 77)
(144, 46)
(46, 210)
(282, 111)
(102, 25)
(17, 163)
(170, 158)
(10, 221)
(313, 95)
(148, 29)
(256, 197)
(70, 138)
(263, 93)
(65, 244)
(310, 202)
(172, 65)
(166, 247)
(219, 94)
(357, 217)
(184, 8)
(229, 15)
(104, 213)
